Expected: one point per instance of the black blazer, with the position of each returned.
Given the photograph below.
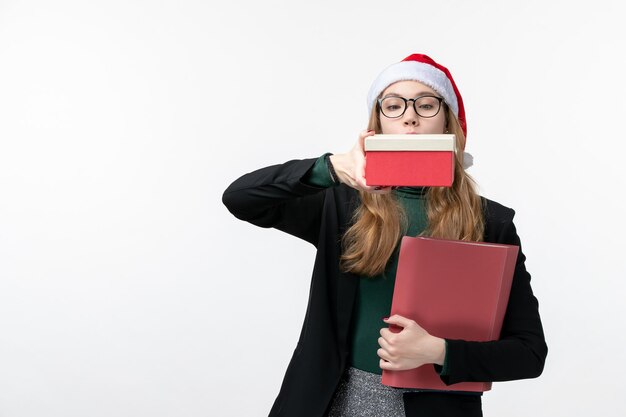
(276, 197)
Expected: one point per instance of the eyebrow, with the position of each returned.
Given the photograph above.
(421, 93)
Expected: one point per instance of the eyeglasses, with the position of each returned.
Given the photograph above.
(393, 107)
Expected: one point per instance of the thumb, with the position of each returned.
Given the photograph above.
(363, 135)
(399, 320)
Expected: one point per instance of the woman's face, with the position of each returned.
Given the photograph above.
(410, 122)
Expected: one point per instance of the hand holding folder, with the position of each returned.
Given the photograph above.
(454, 290)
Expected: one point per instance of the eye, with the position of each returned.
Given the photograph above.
(392, 107)
(427, 103)
(392, 103)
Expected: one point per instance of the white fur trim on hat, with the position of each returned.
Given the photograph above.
(415, 71)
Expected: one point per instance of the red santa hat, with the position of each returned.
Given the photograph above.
(419, 67)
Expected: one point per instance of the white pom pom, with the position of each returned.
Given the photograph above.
(468, 160)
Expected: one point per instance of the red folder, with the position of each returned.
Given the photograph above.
(454, 290)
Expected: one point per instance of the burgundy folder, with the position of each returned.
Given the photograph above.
(454, 290)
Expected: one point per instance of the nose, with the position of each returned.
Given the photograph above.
(410, 117)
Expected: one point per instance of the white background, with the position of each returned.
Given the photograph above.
(127, 289)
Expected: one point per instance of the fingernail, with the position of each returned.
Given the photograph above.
(378, 188)
(385, 318)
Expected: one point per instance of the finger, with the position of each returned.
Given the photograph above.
(370, 188)
(382, 342)
(360, 181)
(386, 365)
(381, 190)
(399, 320)
(387, 334)
(366, 133)
(362, 136)
(390, 331)
(383, 354)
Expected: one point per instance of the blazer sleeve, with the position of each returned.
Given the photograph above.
(277, 197)
(521, 350)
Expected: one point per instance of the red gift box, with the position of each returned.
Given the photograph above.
(410, 160)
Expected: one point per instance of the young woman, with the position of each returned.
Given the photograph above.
(345, 342)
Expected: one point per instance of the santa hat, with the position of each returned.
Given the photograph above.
(418, 67)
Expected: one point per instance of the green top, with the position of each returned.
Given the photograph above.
(374, 296)
(373, 301)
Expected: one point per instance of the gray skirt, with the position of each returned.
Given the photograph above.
(361, 394)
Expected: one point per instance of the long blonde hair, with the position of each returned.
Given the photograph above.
(380, 222)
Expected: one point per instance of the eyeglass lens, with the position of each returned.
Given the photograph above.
(426, 106)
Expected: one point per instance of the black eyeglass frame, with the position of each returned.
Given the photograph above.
(406, 105)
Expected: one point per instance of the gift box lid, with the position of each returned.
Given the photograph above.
(438, 142)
